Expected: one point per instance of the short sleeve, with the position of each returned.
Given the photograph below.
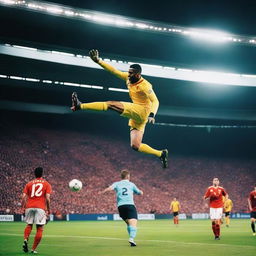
(48, 188)
(207, 193)
(25, 190)
(114, 185)
(224, 192)
(136, 190)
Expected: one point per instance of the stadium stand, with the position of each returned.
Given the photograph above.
(96, 161)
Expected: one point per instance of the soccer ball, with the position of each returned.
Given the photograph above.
(75, 185)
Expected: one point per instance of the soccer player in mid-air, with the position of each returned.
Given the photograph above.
(143, 108)
(252, 208)
(36, 204)
(228, 204)
(175, 208)
(124, 194)
(215, 193)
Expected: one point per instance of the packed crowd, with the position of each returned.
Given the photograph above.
(97, 161)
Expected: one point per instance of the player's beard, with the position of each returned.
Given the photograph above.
(133, 79)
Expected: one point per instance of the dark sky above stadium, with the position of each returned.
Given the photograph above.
(234, 16)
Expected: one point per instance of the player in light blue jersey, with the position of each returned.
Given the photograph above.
(124, 194)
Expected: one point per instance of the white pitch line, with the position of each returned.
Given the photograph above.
(139, 240)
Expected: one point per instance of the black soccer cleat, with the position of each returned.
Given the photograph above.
(217, 238)
(132, 243)
(164, 158)
(76, 104)
(25, 246)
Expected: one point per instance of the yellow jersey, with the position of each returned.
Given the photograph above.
(228, 204)
(141, 93)
(175, 206)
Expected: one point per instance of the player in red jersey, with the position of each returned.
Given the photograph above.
(252, 208)
(36, 205)
(215, 193)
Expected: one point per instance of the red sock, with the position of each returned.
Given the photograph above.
(174, 221)
(217, 228)
(177, 221)
(214, 228)
(27, 231)
(38, 237)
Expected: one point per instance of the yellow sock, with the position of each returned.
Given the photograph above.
(227, 221)
(148, 150)
(100, 106)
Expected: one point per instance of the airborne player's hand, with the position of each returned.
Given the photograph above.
(94, 55)
(151, 118)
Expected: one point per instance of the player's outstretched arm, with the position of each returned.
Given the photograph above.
(106, 190)
(94, 55)
(249, 205)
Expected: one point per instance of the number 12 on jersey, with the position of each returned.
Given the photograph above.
(37, 190)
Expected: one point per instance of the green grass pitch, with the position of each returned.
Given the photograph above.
(109, 238)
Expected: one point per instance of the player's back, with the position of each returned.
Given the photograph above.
(36, 191)
(124, 192)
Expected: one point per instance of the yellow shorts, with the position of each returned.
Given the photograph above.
(137, 114)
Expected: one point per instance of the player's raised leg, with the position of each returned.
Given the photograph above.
(136, 144)
(119, 107)
(78, 105)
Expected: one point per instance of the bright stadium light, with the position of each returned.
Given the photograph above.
(103, 19)
(54, 10)
(123, 23)
(37, 80)
(209, 35)
(25, 47)
(212, 77)
(8, 2)
(127, 22)
(141, 25)
(118, 89)
(17, 78)
(69, 13)
(47, 81)
(32, 79)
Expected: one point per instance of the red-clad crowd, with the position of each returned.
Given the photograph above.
(97, 160)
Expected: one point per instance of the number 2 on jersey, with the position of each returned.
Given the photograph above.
(37, 189)
(124, 193)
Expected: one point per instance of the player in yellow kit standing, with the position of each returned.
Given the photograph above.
(143, 108)
(175, 208)
(228, 204)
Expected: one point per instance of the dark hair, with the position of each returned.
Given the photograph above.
(38, 172)
(136, 67)
(124, 173)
